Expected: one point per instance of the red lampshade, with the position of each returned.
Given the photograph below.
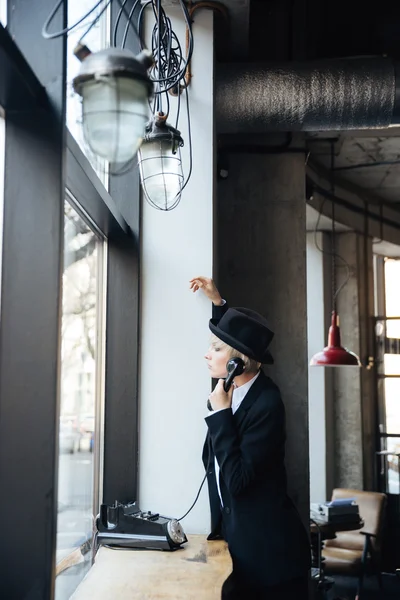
(334, 355)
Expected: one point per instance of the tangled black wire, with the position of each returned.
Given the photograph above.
(170, 62)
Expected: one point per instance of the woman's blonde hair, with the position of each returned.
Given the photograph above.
(250, 365)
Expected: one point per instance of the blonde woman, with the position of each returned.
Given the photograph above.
(244, 456)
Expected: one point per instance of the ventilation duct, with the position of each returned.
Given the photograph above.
(351, 93)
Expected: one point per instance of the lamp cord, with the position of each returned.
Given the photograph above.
(157, 56)
(50, 36)
(333, 229)
(332, 253)
(130, 22)
(171, 62)
(171, 65)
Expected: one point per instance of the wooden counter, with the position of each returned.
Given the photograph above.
(194, 573)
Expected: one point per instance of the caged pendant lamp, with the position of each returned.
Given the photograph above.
(115, 90)
(334, 354)
(160, 164)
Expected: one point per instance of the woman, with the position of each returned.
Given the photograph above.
(244, 457)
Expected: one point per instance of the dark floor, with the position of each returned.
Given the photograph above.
(345, 588)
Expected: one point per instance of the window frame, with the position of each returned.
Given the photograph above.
(41, 155)
(380, 377)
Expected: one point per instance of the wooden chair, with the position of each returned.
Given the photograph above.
(358, 552)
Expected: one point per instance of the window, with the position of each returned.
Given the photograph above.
(81, 399)
(54, 366)
(388, 347)
(97, 39)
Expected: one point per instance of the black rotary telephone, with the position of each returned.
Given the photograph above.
(235, 367)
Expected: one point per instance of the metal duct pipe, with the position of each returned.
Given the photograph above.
(352, 93)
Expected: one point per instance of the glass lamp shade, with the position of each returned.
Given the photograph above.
(114, 112)
(161, 173)
(334, 355)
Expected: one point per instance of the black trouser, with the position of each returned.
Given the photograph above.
(232, 589)
(296, 589)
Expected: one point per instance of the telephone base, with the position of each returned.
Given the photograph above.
(126, 526)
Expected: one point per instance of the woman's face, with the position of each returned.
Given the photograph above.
(216, 358)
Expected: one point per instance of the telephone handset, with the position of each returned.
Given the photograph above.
(235, 367)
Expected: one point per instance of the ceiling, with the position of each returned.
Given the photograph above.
(287, 30)
(368, 159)
(306, 30)
(323, 223)
(366, 162)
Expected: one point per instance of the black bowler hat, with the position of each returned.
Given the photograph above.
(246, 331)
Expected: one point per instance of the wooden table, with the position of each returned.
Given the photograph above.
(194, 573)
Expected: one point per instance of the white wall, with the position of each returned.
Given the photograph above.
(174, 382)
(316, 375)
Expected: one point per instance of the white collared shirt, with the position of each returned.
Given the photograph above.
(237, 398)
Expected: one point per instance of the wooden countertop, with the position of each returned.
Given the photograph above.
(194, 573)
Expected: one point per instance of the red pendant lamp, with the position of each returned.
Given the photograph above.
(334, 355)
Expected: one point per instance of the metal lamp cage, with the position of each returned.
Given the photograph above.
(160, 164)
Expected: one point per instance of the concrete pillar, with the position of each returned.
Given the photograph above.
(353, 388)
(261, 264)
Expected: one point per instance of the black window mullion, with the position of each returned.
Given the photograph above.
(19, 87)
(122, 337)
(121, 400)
(85, 186)
(31, 309)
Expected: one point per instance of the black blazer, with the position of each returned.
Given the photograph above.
(267, 540)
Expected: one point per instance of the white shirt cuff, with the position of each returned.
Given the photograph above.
(213, 412)
(223, 303)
